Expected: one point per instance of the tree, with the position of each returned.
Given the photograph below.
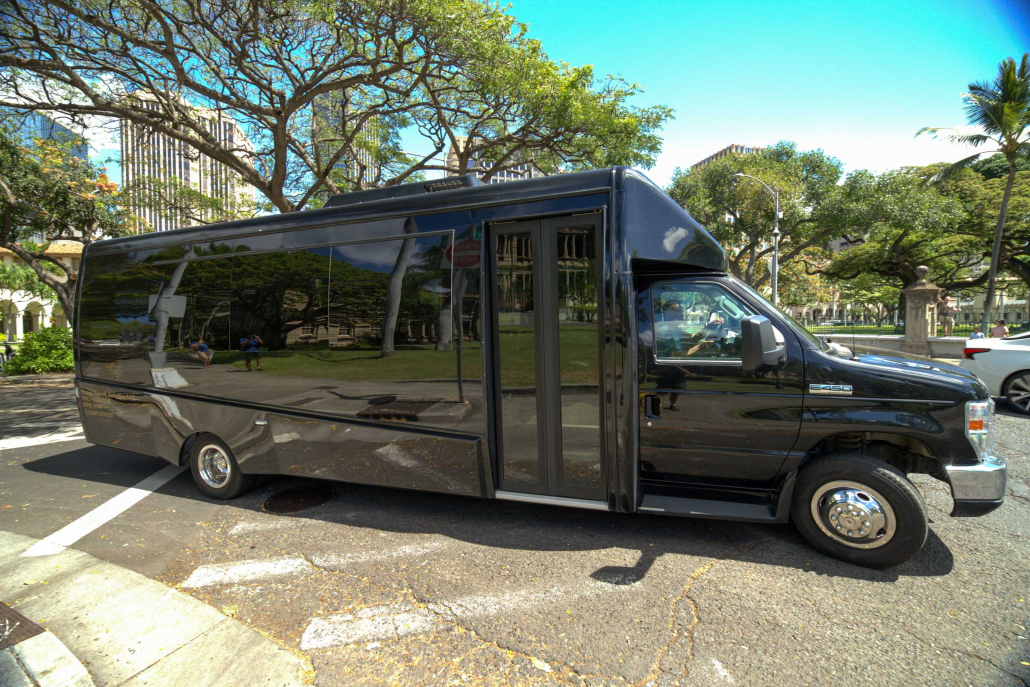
(47, 192)
(895, 223)
(1001, 111)
(997, 167)
(322, 86)
(739, 213)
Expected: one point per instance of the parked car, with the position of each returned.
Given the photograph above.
(1003, 365)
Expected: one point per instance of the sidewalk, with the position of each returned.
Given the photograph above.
(128, 629)
(31, 656)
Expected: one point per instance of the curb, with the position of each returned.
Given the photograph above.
(42, 661)
(127, 629)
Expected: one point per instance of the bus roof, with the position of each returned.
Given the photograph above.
(647, 223)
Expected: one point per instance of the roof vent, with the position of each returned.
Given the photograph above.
(403, 190)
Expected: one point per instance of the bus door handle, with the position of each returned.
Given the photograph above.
(653, 405)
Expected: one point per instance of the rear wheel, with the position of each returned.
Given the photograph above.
(860, 510)
(215, 469)
(1017, 391)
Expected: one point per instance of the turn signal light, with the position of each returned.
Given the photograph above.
(968, 353)
(977, 425)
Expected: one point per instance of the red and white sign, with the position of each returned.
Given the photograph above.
(463, 254)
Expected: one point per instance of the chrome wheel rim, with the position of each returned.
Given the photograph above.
(215, 468)
(853, 514)
(1019, 392)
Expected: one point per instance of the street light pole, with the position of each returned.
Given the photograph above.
(776, 238)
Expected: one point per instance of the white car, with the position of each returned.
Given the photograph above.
(1003, 365)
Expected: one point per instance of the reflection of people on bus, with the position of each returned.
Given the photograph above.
(250, 347)
(201, 351)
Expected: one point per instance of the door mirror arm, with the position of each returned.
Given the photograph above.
(758, 348)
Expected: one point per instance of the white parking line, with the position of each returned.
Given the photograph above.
(245, 571)
(380, 623)
(71, 434)
(242, 572)
(74, 531)
(331, 560)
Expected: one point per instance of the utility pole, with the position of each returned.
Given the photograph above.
(775, 271)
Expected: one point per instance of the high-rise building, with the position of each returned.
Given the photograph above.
(30, 126)
(732, 149)
(329, 117)
(155, 166)
(479, 167)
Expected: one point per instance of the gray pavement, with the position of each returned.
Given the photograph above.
(384, 586)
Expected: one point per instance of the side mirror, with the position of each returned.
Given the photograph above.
(758, 349)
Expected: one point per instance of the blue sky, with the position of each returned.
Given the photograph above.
(856, 79)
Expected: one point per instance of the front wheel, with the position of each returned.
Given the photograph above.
(1017, 391)
(860, 510)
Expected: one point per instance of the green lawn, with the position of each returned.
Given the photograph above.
(410, 363)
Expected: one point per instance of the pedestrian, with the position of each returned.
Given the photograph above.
(8, 353)
(249, 345)
(999, 330)
(946, 315)
(201, 351)
(977, 334)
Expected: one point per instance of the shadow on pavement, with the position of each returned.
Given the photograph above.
(516, 526)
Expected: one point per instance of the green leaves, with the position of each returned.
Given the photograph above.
(739, 213)
(43, 351)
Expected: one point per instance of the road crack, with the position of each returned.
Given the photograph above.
(657, 670)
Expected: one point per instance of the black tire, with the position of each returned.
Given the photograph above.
(904, 507)
(210, 457)
(1016, 396)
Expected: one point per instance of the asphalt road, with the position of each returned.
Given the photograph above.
(384, 586)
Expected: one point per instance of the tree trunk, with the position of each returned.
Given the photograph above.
(996, 248)
(393, 296)
(163, 302)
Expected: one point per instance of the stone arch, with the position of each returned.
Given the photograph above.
(33, 317)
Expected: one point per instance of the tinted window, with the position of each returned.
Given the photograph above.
(278, 324)
(697, 321)
(116, 323)
(390, 324)
(192, 309)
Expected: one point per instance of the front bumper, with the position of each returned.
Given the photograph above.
(977, 489)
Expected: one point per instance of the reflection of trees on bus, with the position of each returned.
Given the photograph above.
(365, 304)
(275, 295)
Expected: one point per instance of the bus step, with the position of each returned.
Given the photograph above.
(703, 508)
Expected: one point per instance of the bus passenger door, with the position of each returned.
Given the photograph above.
(547, 320)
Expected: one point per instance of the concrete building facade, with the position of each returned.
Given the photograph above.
(151, 161)
(732, 149)
(478, 167)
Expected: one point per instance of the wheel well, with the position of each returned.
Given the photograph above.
(187, 445)
(908, 454)
(1005, 382)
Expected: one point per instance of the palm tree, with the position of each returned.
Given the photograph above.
(1001, 111)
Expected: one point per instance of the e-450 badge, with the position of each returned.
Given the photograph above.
(830, 389)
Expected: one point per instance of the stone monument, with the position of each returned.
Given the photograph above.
(920, 313)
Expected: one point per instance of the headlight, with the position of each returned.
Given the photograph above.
(980, 427)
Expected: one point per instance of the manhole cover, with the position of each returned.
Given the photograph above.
(300, 498)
